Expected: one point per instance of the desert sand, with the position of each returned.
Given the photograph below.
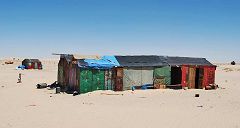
(24, 106)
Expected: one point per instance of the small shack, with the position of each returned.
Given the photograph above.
(137, 71)
(86, 73)
(194, 73)
(32, 64)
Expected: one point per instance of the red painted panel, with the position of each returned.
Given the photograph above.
(209, 75)
(184, 76)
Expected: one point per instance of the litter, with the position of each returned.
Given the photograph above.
(42, 85)
(111, 94)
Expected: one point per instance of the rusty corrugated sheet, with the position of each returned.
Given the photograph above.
(209, 75)
(108, 79)
(191, 77)
(118, 76)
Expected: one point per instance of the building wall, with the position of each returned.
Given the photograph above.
(137, 77)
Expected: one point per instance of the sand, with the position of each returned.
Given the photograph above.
(24, 106)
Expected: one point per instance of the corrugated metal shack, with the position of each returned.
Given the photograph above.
(194, 73)
(32, 63)
(86, 73)
(142, 70)
(89, 73)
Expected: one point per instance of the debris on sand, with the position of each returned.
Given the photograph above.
(200, 106)
(116, 94)
(8, 62)
(197, 95)
(228, 69)
(233, 63)
(42, 85)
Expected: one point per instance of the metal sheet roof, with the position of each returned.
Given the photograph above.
(140, 61)
(178, 61)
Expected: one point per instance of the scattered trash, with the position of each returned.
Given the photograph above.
(54, 85)
(228, 69)
(185, 88)
(142, 97)
(20, 67)
(196, 95)
(111, 94)
(211, 87)
(32, 105)
(58, 90)
(42, 85)
(88, 103)
(9, 62)
(233, 63)
(2, 86)
(200, 106)
(75, 93)
(50, 96)
(19, 78)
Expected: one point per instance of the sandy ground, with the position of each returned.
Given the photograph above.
(24, 106)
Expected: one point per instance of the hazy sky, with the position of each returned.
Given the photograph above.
(199, 28)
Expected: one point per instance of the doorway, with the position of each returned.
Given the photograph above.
(176, 75)
(199, 78)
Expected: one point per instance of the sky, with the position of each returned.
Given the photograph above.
(195, 28)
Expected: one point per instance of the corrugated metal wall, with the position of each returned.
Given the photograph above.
(191, 77)
(118, 76)
(209, 75)
(72, 77)
(98, 79)
(137, 77)
(109, 82)
(85, 84)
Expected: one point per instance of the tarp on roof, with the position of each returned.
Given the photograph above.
(178, 61)
(106, 62)
(140, 61)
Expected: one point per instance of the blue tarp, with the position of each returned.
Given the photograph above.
(106, 62)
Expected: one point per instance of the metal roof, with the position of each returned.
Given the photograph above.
(140, 61)
(178, 61)
(31, 60)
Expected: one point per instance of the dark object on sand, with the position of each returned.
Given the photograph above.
(58, 90)
(19, 78)
(54, 85)
(233, 63)
(32, 64)
(9, 62)
(75, 93)
(42, 85)
(196, 95)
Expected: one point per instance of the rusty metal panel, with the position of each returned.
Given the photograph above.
(72, 77)
(184, 76)
(108, 80)
(209, 75)
(60, 75)
(191, 77)
(118, 76)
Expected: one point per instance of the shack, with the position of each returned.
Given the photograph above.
(194, 73)
(32, 64)
(86, 73)
(137, 71)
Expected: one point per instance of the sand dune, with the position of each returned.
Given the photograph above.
(24, 106)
